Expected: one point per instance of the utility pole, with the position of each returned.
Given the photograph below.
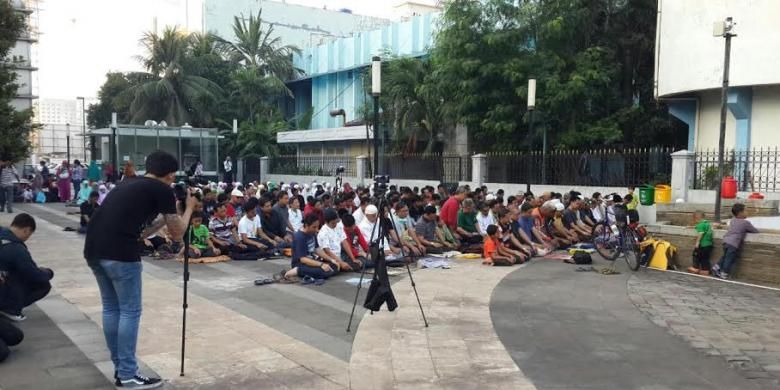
(723, 29)
(376, 90)
(83, 126)
(67, 142)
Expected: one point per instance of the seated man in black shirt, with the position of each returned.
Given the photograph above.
(273, 224)
(22, 281)
(87, 209)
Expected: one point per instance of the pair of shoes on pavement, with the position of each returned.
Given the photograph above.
(718, 273)
(137, 382)
(14, 317)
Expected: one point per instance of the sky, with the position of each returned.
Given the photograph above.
(82, 40)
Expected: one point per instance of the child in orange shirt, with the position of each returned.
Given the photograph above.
(490, 249)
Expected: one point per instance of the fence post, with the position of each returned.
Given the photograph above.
(265, 165)
(479, 169)
(682, 173)
(361, 165)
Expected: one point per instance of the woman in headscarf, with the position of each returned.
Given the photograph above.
(63, 181)
(84, 192)
(102, 192)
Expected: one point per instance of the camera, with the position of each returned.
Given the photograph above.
(380, 184)
(180, 190)
(340, 170)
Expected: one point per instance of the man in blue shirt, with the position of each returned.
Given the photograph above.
(307, 257)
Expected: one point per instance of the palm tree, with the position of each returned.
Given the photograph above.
(255, 48)
(173, 94)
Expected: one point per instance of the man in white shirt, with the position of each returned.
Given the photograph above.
(360, 212)
(484, 218)
(332, 242)
(250, 229)
(370, 231)
(228, 165)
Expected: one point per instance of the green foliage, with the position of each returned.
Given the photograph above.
(593, 61)
(15, 126)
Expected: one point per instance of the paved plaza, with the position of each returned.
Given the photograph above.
(538, 326)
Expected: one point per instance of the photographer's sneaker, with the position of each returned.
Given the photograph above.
(14, 317)
(139, 382)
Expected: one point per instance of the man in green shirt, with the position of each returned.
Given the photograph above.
(468, 227)
(703, 247)
(200, 240)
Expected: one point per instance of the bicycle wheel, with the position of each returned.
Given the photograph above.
(631, 249)
(605, 241)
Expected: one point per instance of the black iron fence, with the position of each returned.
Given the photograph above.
(605, 167)
(599, 167)
(755, 170)
(439, 167)
(312, 165)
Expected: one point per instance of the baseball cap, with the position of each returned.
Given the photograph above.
(371, 209)
(236, 192)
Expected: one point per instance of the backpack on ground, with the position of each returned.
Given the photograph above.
(582, 258)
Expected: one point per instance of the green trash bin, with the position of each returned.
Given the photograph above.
(647, 196)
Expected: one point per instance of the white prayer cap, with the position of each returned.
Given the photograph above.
(236, 192)
(371, 209)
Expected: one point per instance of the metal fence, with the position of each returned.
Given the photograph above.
(602, 167)
(755, 170)
(444, 168)
(312, 165)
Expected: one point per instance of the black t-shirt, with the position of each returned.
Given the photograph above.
(116, 226)
(569, 218)
(87, 209)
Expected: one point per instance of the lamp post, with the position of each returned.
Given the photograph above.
(83, 126)
(376, 90)
(723, 29)
(112, 146)
(67, 142)
(531, 107)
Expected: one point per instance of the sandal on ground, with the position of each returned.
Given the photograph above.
(307, 280)
(263, 281)
(282, 279)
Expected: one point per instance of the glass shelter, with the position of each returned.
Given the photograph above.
(134, 143)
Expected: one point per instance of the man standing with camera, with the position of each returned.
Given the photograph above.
(129, 212)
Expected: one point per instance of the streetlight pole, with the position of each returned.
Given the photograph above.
(67, 142)
(112, 147)
(376, 90)
(531, 109)
(83, 126)
(723, 29)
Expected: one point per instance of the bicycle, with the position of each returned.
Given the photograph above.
(612, 241)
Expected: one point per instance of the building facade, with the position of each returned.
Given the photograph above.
(689, 70)
(297, 25)
(333, 80)
(58, 119)
(22, 56)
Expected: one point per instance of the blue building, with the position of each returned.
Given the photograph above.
(333, 79)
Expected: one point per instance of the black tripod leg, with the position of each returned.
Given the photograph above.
(186, 276)
(357, 293)
(414, 287)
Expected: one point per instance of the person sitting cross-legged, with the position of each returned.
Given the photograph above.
(225, 237)
(468, 228)
(250, 229)
(331, 240)
(274, 223)
(425, 230)
(201, 244)
(370, 228)
(307, 257)
(491, 251)
(23, 281)
(355, 247)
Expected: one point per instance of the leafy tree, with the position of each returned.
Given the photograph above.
(15, 126)
(174, 94)
(115, 95)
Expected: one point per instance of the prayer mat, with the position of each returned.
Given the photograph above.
(205, 260)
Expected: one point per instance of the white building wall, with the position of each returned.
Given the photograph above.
(689, 58)
(766, 116)
(709, 122)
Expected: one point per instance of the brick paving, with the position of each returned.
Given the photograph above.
(735, 322)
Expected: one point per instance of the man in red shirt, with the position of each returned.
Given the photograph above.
(449, 211)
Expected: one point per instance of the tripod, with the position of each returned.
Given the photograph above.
(186, 276)
(379, 259)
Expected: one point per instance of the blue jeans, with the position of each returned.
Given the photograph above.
(120, 292)
(316, 273)
(730, 256)
(6, 196)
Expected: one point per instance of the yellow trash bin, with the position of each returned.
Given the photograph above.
(663, 194)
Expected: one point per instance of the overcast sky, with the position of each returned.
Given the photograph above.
(81, 40)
